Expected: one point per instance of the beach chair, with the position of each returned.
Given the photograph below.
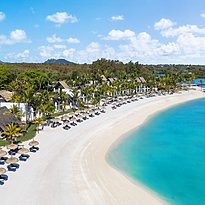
(21, 158)
(10, 168)
(4, 158)
(25, 155)
(15, 165)
(2, 162)
(1, 182)
(3, 177)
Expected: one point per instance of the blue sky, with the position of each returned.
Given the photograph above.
(148, 31)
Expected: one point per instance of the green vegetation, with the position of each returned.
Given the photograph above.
(90, 83)
(30, 133)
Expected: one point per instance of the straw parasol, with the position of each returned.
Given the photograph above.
(12, 160)
(66, 123)
(33, 143)
(2, 153)
(65, 116)
(2, 170)
(57, 120)
(43, 123)
(23, 151)
(12, 146)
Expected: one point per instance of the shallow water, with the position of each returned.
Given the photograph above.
(167, 154)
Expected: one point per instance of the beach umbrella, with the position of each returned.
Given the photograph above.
(12, 146)
(43, 123)
(2, 170)
(66, 116)
(57, 120)
(33, 143)
(66, 123)
(12, 160)
(2, 153)
(23, 151)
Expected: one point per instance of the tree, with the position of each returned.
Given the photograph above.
(12, 132)
(14, 110)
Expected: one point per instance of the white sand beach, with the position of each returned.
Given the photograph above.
(70, 167)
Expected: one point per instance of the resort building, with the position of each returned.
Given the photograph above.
(7, 118)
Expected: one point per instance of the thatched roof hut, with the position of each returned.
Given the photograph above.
(103, 78)
(6, 119)
(5, 95)
(61, 85)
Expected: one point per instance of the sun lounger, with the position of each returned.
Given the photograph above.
(4, 158)
(22, 158)
(34, 149)
(15, 165)
(3, 177)
(2, 162)
(1, 182)
(10, 168)
(25, 155)
(11, 152)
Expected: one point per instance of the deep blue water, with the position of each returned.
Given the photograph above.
(167, 154)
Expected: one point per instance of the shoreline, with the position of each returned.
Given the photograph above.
(71, 166)
(146, 196)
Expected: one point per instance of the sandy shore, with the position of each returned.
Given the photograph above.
(70, 167)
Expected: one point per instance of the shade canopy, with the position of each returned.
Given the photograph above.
(2, 153)
(12, 160)
(23, 151)
(12, 146)
(2, 170)
(66, 123)
(33, 143)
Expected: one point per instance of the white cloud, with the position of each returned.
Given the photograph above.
(172, 32)
(68, 53)
(93, 47)
(46, 51)
(17, 36)
(120, 35)
(2, 16)
(163, 24)
(61, 18)
(22, 55)
(203, 15)
(59, 46)
(117, 18)
(73, 40)
(61, 52)
(54, 39)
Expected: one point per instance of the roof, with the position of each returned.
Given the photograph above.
(103, 78)
(6, 119)
(142, 79)
(111, 80)
(138, 80)
(61, 84)
(7, 95)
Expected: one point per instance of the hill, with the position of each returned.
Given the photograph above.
(58, 61)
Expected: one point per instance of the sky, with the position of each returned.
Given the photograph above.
(82, 31)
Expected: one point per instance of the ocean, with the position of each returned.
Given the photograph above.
(167, 154)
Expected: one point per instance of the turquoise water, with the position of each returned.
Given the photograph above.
(167, 154)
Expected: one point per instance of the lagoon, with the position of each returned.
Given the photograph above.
(167, 154)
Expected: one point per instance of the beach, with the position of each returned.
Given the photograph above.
(70, 168)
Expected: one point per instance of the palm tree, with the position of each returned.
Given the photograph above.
(38, 121)
(14, 110)
(12, 132)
